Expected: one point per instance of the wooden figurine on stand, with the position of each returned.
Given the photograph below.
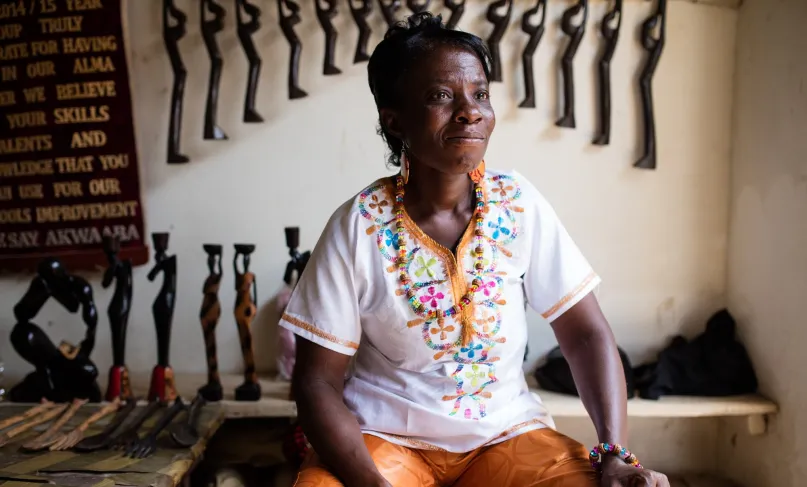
(575, 33)
(326, 11)
(246, 28)
(210, 28)
(610, 33)
(360, 12)
(162, 386)
(456, 9)
(245, 310)
(535, 32)
(388, 10)
(209, 316)
(287, 23)
(500, 22)
(119, 272)
(171, 35)
(62, 373)
(654, 47)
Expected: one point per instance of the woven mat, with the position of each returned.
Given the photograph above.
(103, 468)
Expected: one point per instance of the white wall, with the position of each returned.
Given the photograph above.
(767, 279)
(658, 238)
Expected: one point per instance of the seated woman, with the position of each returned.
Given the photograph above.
(422, 278)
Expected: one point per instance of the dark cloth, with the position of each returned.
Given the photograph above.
(713, 364)
(556, 376)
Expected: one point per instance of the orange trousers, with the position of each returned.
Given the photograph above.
(539, 458)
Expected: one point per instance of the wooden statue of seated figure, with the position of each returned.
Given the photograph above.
(62, 373)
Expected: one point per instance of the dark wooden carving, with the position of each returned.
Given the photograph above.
(575, 32)
(536, 32)
(62, 373)
(654, 46)
(162, 386)
(245, 309)
(610, 33)
(209, 30)
(246, 29)
(298, 260)
(171, 35)
(456, 9)
(360, 11)
(416, 6)
(500, 22)
(209, 316)
(120, 272)
(388, 10)
(326, 12)
(287, 23)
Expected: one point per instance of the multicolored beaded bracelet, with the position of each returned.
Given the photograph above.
(598, 452)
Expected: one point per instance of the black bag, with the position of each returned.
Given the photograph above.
(556, 376)
(713, 364)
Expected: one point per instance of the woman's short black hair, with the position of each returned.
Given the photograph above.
(403, 44)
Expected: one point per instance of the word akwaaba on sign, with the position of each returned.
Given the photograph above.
(68, 161)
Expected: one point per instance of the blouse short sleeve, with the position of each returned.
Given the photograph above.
(558, 275)
(324, 306)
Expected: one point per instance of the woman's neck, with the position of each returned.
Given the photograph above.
(429, 191)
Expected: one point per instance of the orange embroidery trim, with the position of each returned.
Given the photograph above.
(570, 296)
(316, 331)
(421, 445)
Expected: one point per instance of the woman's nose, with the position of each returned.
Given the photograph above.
(467, 111)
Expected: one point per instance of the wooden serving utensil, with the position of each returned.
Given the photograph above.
(50, 436)
(105, 438)
(35, 421)
(69, 440)
(26, 415)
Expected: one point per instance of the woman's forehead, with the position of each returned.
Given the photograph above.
(447, 62)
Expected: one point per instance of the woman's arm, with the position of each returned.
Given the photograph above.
(587, 342)
(332, 430)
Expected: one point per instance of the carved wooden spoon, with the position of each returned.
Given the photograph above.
(184, 433)
(44, 418)
(50, 436)
(26, 415)
(68, 440)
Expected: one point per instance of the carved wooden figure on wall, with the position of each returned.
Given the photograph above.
(62, 373)
(246, 29)
(120, 272)
(575, 32)
(418, 6)
(326, 12)
(210, 28)
(536, 32)
(162, 385)
(610, 33)
(171, 35)
(388, 10)
(500, 22)
(654, 47)
(245, 310)
(360, 10)
(456, 9)
(209, 316)
(287, 23)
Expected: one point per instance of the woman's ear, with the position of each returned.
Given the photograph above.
(390, 122)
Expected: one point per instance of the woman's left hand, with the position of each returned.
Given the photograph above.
(616, 473)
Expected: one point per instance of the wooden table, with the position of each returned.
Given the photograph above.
(104, 468)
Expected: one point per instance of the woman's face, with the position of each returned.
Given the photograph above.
(445, 118)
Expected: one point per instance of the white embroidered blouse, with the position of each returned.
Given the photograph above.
(413, 382)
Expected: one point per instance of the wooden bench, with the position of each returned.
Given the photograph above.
(274, 403)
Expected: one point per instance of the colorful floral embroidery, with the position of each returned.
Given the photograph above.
(438, 280)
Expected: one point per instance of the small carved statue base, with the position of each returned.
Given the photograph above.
(209, 316)
(119, 384)
(162, 377)
(245, 310)
(64, 373)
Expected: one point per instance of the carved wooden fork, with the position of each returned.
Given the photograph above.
(51, 434)
(36, 419)
(68, 440)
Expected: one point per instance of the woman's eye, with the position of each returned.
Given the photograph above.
(440, 95)
(483, 95)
